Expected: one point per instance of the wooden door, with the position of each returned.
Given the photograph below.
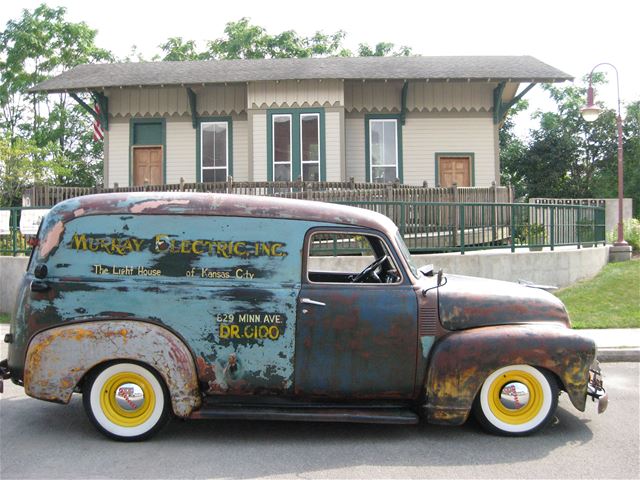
(147, 166)
(455, 170)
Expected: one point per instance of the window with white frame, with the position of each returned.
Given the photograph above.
(282, 151)
(295, 147)
(310, 146)
(214, 152)
(383, 149)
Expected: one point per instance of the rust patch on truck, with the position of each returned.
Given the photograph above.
(58, 358)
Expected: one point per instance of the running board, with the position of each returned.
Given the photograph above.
(361, 415)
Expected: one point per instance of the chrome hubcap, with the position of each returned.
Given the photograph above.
(514, 395)
(129, 396)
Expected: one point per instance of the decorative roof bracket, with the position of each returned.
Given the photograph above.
(500, 109)
(192, 105)
(403, 102)
(103, 106)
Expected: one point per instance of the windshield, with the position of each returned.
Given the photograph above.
(407, 255)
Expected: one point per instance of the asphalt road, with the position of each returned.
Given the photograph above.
(44, 440)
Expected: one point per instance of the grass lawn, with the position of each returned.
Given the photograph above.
(609, 300)
(5, 317)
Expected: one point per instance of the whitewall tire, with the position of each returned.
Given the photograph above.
(516, 400)
(126, 401)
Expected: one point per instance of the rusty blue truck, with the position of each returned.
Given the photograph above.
(213, 306)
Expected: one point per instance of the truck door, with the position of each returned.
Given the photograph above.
(356, 331)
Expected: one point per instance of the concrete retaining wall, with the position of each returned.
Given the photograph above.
(562, 267)
(11, 271)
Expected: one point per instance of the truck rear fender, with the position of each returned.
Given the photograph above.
(58, 358)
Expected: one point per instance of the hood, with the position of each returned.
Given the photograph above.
(468, 302)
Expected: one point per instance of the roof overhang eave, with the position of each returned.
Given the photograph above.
(93, 88)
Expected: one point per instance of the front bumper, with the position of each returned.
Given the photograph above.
(595, 388)
(4, 373)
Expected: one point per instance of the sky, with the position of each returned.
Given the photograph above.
(571, 35)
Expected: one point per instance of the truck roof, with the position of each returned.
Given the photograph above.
(216, 204)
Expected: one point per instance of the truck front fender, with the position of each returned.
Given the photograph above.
(461, 362)
(58, 358)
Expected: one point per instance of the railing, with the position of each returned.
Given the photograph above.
(335, 192)
(12, 241)
(450, 227)
(460, 227)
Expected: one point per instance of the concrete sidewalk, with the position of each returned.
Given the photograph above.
(614, 344)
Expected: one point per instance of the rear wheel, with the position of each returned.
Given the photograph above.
(516, 400)
(126, 401)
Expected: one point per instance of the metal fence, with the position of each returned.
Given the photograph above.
(460, 227)
(448, 226)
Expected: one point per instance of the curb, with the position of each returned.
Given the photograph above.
(608, 355)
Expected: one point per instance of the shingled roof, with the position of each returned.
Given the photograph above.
(495, 68)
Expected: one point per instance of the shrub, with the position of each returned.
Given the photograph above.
(631, 232)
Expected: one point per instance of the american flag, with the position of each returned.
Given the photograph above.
(98, 134)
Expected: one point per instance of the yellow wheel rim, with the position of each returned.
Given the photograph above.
(523, 414)
(137, 412)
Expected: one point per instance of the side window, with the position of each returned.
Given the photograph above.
(349, 257)
(214, 152)
(295, 145)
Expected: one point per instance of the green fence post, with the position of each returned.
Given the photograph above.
(513, 228)
(576, 226)
(553, 226)
(14, 231)
(462, 229)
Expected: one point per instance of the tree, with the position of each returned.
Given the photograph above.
(512, 151)
(21, 163)
(566, 154)
(606, 179)
(383, 49)
(243, 40)
(37, 46)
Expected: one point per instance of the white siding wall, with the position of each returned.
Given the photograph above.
(354, 137)
(181, 151)
(333, 147)
(118, 169)
(259, 147)
(423, 137)
(240, 151)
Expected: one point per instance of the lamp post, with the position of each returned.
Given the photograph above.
(590, 113)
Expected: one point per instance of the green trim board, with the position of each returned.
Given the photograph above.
(159, 136)
(367, 148)
(472, 166)
(296, 161)
(199, 123)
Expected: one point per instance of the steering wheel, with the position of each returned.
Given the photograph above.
(369, 269)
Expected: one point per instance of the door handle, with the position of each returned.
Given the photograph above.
(308, 301)
(39, 286)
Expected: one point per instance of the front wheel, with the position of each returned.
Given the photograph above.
(126, 401)
(516, 400)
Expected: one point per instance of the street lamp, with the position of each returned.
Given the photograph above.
(590, 113)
